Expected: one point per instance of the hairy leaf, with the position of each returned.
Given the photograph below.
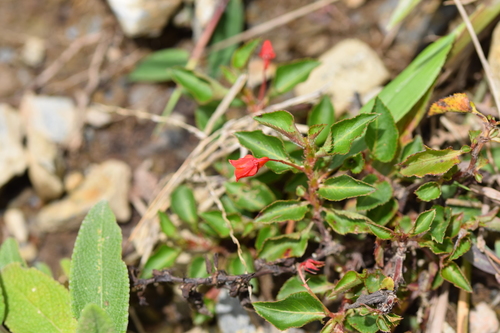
(280, 211)
(343, 187)
(283, 122)
(94, 320)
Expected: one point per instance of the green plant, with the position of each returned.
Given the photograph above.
(97, 299)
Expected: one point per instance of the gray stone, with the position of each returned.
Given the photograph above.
(483, 319)
(12, 156)
(231, 316)
(350, 66)
(107, 181)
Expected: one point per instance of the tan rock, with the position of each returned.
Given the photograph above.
(33, 52)
(483, 319)
(108, 181)
(494, 57)
(16, 224)
(12, 156)
(72, 180)
(350, 66)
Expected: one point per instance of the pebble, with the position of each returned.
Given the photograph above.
(16, 224)
(231, 316)
(33, 52)
(109, 181)
(72, 180)
(203, 12)
(28, 251)
(96, 118)
(143, 17)
(350, 66)
(483, 319)
(12, 157)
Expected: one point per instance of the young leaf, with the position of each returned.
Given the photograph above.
(98, 275)
(445, 247)
(355, 163)
(380, 231)
(283, 122)
(381, 195)
(291, 245)
(94, 320)
(196, 86)
(289, 75)
(424, 221)
(155, 67)
(35, 301)
(263, 145)
(315, 131)
(343, 187)
(162, 258)
(243, 53)
(401, 94)
(344, 132)
(428, 191)
(281, 210)
(184, 205)
(344, 222)
(318, 285)
(253, 196)
(9, 253)
(430, 162)
(294, 311)
(440, 223)
(382, 134)
(322, 113)
(452, 273)
(349, 280)
(364, 323)
(167, 226)
(464, 245)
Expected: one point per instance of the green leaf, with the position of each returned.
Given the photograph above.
(293, 245)
(382, 134)
(440, 223)
(463, 247)
(289, 75)
(263, 145)
(199, 88)
(197, 268)
(9, 253)
(382, 324)
(428, 191)
(155, 67)
(65, 264)
(283, 210)
(424, 221)
(349, 280)
(322, 113)
(44, 268)
(94, 320)
(184, 205)
(430, 162)
(413, 147)
(284, 123)
(35, 301)
(202, 115)
(294, 311)
(363, 323)
(381, 195)
(380, 231)
(402, 93)
(355, 164)
(266, 232)
(445, 247)
(344, 187)
(377, 280)
(98, 275)
(344, 222)
(230, 24)
(167, 226)
(252, 196)
(318, 285)
(344, 132)
(243, 53)
(163, 257)
(236, 267)
(383, 214)
(402, 10)
(452, 273)
(216, 221)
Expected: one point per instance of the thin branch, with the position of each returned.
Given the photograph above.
(480, 53)
(307, 98)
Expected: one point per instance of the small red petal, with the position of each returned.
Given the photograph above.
(267, 51)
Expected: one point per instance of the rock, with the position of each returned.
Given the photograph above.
(143, 17)
(72, 180)
(33, 52)
(44, 169)
(107, 181)
(350, 66)
(28, 251)
(55, 118)
(494, 56)
(483, 319)
(203, 12)
(16, 224)
(231, 316)
(97, 118)
(12, 156)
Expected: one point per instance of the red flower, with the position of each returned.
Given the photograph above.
(267, 53)
(311, 266)
(247, 166)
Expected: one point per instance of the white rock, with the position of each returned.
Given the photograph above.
(108, 181)
(33, 52)
(203, 12)
(12, 157)
(55, 118)
(16, 224)
(350, 66)
(97, 118)
(143, 17)
(483, 319)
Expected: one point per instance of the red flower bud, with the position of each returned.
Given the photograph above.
(267, 53)
(247, 166)
(311, 266)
